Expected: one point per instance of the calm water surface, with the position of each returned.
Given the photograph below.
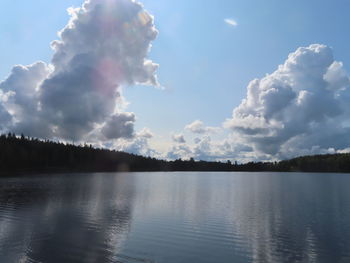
(175, 217)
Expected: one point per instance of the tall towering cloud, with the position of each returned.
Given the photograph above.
(300, 108)
(103, 47)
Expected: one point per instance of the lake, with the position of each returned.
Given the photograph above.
(175, 217)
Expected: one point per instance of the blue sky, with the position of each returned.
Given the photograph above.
(205, 64)
(200, 56)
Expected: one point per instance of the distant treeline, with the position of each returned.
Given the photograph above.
(20, 154)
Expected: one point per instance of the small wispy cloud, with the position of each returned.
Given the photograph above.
(231, 22)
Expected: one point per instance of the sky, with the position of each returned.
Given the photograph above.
(183, 79)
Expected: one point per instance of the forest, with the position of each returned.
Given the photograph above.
(24, 155)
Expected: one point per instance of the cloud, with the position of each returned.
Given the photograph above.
(231, 22)
(300, 108)
(145, 133)
(179, 151)
(179, 138)
(198, 127)
(20, 100)
(119, 126)
(103, 48)
(204, 148)
(138, 144)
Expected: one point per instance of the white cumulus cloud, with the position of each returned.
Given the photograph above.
(198, 127)
(179, 138)
(301, 108)
(103, 47)
(138, 144)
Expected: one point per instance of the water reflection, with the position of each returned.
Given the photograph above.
(176, 217)
(243, 217)
(295, 217)
(64, 219)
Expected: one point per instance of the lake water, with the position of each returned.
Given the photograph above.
(175, 217)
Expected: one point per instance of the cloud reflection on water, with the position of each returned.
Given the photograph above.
(176, 217)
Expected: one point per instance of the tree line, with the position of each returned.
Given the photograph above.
(21, 154)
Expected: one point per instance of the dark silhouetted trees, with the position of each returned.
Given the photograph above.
(24, 155)
(20, 154)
